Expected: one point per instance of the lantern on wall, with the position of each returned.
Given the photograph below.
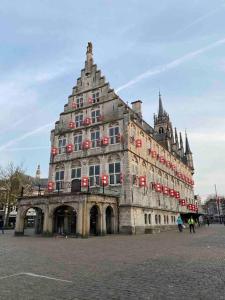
(71, 125)
(84, 181)
(86, 144)
(142, 181)
(54, 151)
(69, 148)
(50, 186)
(105, 180)
(105, 140)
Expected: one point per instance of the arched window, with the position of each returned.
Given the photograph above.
(161, 130)
(159, 219)
(146, 218)
(156, 219)
(149, 219)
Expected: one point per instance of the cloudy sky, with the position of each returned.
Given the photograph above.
(176, 46)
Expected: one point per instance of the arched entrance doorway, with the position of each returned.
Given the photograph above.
(94, 220)
(65, 220)
(109, 220)
(33, 221)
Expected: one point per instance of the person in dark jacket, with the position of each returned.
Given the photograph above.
(2, 225)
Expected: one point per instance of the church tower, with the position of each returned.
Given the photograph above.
(163, 127)
(38, 172)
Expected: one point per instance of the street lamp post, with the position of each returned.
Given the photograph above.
(218, 204)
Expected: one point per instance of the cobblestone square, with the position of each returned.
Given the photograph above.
(169, 265)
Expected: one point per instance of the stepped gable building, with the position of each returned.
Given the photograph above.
(110, 171)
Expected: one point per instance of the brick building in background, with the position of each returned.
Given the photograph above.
(110, 171)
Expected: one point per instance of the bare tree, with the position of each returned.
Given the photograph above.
(12, 179)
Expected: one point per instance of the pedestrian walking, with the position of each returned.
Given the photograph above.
(208, 221)
(191, 224)
(2, 225)
(180, 223)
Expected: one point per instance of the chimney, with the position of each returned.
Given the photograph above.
(136, 106)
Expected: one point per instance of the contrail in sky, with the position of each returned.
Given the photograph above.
(25, 135)
(170, 65)
(198, 20)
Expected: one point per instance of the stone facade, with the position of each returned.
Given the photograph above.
(107, 146)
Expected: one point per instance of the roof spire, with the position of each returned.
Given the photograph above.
(161, 111)
(176, 137)
(181, 141)
(188, 150)
(89, 58)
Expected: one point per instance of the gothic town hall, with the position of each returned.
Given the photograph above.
(110, 171)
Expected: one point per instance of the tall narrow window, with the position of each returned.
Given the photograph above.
(149, 219)
(156, 219)
(79, 120)
(95, 139)
(62, 145)
(59, 178)
(76, 173)
(94, 173)
(146, 218)
(95, 97)
(113, 134)
(114, 173)
(80, 101)
(95, 116)
(77, 142)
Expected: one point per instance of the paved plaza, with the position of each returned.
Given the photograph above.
(169, 265)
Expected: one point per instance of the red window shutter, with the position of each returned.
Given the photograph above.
(158, 187)
(165, 190)
(119, 138)
(86, 144)
(138, 143)
(84, 181)
(54, 151)
(50, 186)
(154, 153)
(142, 181)
(172, 192)
(121, 178)
(73, 105)
(105, 140)
(69, 148)
(177, 195)
(105, 180)
(71, 125)
(87, 121)
(90, 100)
